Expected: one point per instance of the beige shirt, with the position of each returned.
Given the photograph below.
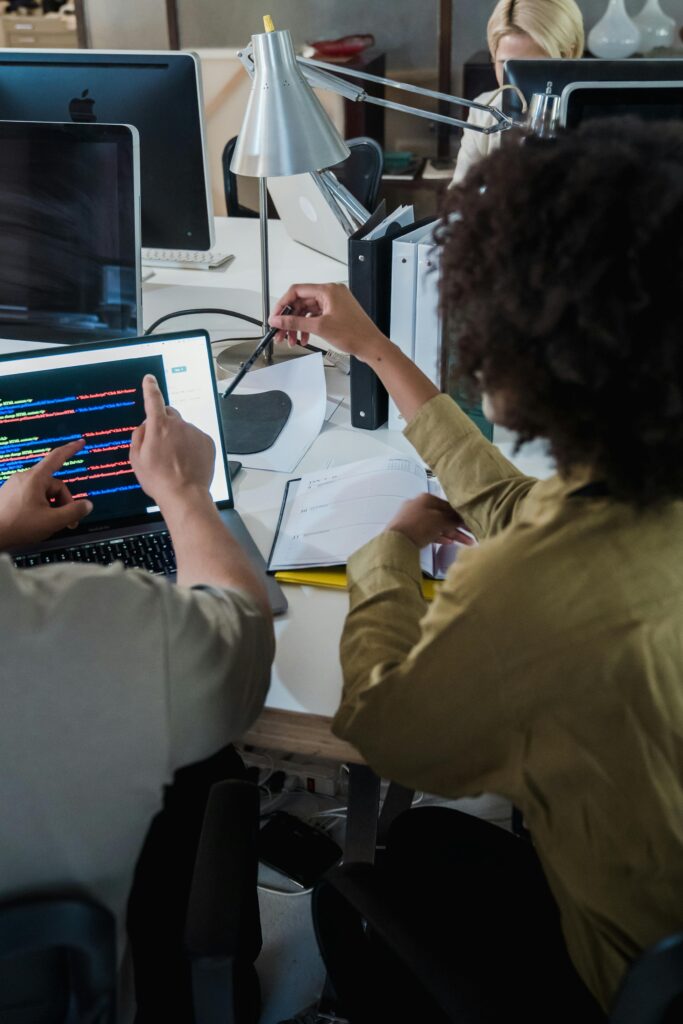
(549, 669)
(474, 146)
(110, 681)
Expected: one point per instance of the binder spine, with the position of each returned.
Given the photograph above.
(370, 283)
(402, 320)
(370, 266)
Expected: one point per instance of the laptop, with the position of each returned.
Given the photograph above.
(310, 216)
(51, 396)
(69, 232)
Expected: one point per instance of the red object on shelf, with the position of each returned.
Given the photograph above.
(347, 46)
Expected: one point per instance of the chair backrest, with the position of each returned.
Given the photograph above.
(361, 172)
(232, 203)
(57, 962)
(652, 991)
(222, 929)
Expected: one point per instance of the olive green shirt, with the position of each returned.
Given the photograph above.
(549, 669)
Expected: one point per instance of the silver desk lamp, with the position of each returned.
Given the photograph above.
(287, 131)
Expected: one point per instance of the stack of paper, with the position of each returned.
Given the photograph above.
(400, 218)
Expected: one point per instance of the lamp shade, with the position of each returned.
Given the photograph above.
(285, 128)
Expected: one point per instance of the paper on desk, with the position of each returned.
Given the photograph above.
(303, 379)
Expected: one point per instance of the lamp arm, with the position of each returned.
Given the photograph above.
(317, 74)
(356, 212)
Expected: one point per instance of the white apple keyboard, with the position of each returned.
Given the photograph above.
(186, 259)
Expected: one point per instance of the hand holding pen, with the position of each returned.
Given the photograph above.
(259, 350)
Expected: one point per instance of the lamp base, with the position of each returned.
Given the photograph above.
(231, 358)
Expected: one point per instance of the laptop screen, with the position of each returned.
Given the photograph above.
(52, 396)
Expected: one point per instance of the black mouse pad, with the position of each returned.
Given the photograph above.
(252, 423)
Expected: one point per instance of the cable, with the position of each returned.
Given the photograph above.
(269, 769)
(199, 312)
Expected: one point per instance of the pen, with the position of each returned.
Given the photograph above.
(260, 348)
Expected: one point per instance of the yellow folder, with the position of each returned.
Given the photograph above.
(336, 579)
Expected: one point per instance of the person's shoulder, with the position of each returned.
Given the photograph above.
(64, 591)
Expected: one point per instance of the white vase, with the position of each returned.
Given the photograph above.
(615, 35)
(656, 28)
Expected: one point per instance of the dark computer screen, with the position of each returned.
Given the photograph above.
(160, 94)
(651, 102)
(102, 403)
(67, 232)
(532, 76)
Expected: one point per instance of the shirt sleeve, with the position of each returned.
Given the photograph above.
(219, 650)
(480, 483)
(473, 147)
(423, 699)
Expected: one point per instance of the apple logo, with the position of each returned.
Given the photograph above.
(81, 108)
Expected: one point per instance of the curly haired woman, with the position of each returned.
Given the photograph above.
(549, 667)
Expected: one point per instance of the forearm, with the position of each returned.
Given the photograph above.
(206, 552)
(407, 385)
(485, 488)
(479, 482)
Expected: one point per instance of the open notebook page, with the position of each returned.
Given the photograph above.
(332, 513)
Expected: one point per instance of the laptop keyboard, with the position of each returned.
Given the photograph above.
(151, 551)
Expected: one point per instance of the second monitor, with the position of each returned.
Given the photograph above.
(158, 93)
(532, 76)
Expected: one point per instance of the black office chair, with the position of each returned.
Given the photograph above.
(357, 923)
(223, 932)
(57, 962)
(58, 954)
(232, 203)
(361, 173)
(652, 991)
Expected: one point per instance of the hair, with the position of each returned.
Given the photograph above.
(554, 25)
(561, 283)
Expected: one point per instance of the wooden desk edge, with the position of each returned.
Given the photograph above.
(299, 733)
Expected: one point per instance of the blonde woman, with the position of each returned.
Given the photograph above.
(520, 30)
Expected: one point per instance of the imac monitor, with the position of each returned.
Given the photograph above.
(69, 232)
(158, 93)
(532, 76)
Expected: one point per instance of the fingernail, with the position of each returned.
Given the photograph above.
(150, 378)
(88, 507)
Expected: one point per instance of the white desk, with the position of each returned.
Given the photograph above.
(237, 286)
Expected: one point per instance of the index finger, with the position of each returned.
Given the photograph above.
(298, 291)
(55, 459)
(155, 406)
